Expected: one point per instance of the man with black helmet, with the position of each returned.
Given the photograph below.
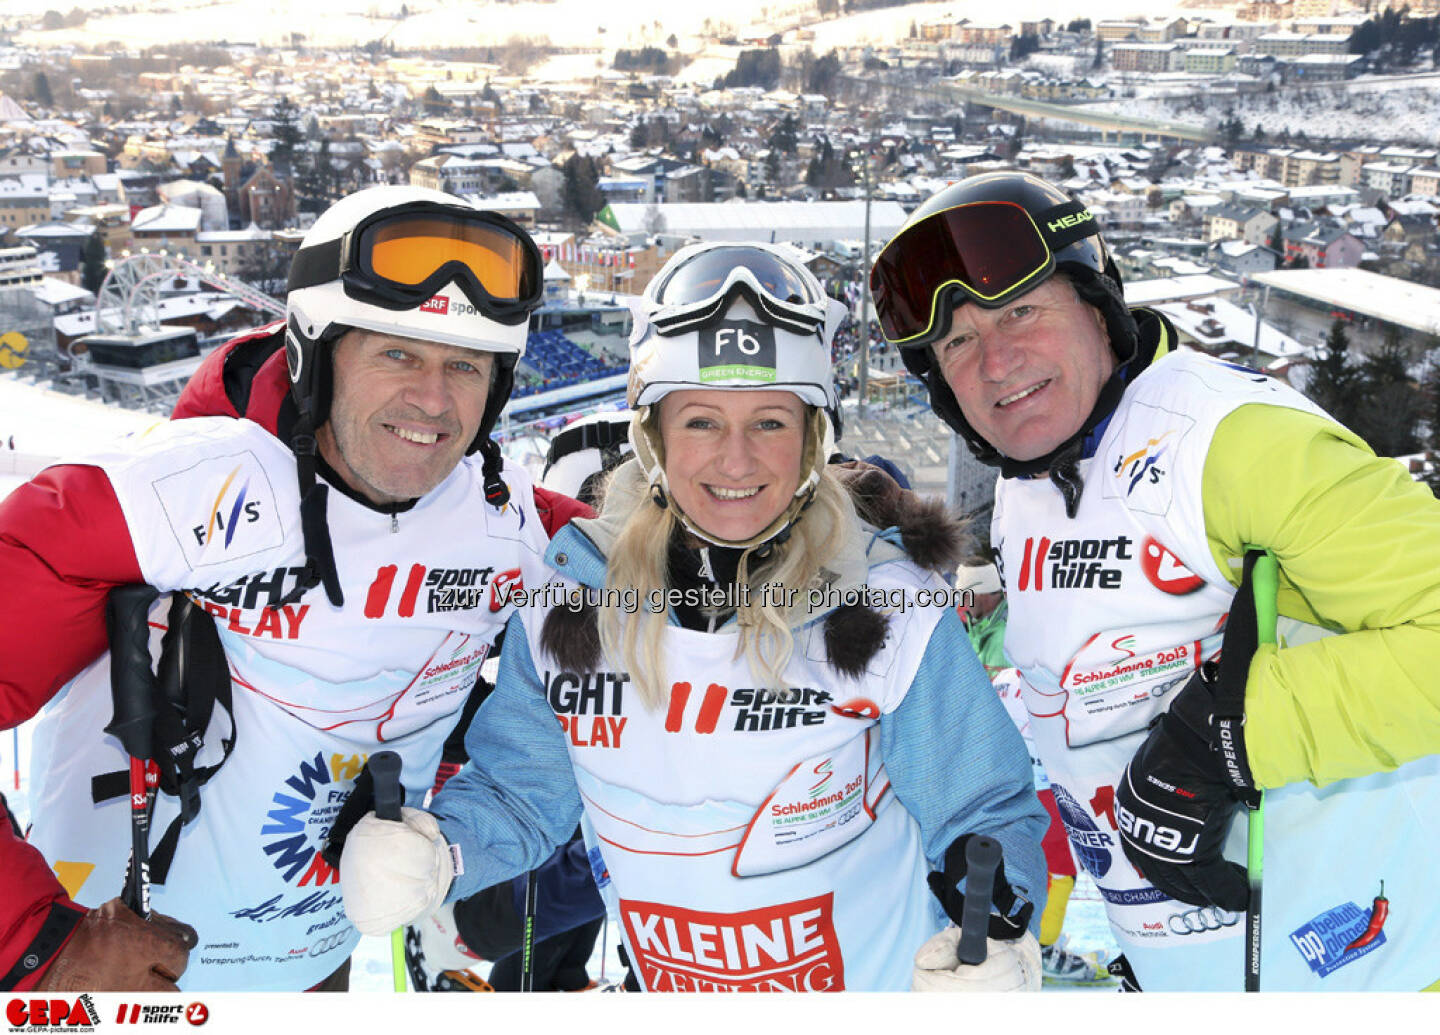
(355, 540)
(1138, 486)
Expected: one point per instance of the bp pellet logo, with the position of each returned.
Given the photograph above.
(58, 1014)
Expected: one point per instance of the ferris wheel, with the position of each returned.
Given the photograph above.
(128, 302)
(129, 297)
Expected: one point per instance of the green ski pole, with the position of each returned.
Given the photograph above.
(1266, 586)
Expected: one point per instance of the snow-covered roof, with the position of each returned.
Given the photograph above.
(767, 221)
(1169, 289)
(509, 201)
(1361, 291)
(176, 219)
(1216, 322)
(53, 291)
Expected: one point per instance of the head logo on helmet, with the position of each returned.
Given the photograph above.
(986, 241)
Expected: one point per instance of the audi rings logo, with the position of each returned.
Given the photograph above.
(329, 942)
(1208, 918)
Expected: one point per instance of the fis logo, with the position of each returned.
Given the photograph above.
(1143, 464)
(1072, 563)
(227, 515)
(439, 305)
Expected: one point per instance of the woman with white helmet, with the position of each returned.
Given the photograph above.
(765, 710)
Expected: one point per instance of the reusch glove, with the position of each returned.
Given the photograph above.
(1179, 793)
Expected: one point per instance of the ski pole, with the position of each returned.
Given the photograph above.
(15, 737)
(1265, 587)
(385, 772)
(133, 690)
(982, 859)
(527, 944)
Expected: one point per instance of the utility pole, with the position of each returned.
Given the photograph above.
(1261, 301)
(865, 297)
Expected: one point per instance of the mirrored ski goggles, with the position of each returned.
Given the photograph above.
(400, 258)
(990, 250)
(700, 289)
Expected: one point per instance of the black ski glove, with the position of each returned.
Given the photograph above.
(1179, 793)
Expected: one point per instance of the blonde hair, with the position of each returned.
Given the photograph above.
(639, 560)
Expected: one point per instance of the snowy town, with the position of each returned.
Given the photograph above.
(1265, 175)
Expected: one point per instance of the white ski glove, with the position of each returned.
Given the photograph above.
(1010, 966)
(394, 873)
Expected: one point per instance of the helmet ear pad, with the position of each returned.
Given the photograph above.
(311, 366)
(1104, 293)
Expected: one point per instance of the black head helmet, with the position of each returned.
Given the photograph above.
(986, 241)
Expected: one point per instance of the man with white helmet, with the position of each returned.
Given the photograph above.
(771, 730)
(346, 620)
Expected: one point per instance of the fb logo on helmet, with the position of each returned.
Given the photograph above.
(737, 349)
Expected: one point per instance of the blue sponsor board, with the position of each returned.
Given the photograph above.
(1321, 942)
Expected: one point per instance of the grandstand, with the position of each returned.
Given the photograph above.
(553, 360)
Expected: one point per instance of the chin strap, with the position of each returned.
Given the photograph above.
(497, 493)
(319, 554)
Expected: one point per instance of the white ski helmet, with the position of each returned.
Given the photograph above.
(415, 263)
(584, 451)
(735, 316)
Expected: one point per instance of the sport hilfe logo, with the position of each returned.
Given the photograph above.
(1073, 563)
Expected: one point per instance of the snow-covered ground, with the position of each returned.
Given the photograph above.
(567, 23)
(1379, 110)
